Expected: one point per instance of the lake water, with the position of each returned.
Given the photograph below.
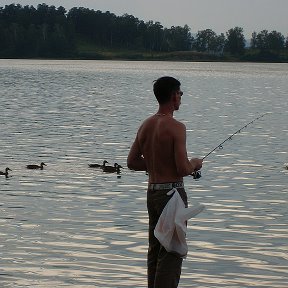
(72, 226)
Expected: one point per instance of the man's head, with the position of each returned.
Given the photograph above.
(165, 87)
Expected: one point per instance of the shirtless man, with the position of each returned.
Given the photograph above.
(160, 149)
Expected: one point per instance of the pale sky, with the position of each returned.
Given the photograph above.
(218, 15)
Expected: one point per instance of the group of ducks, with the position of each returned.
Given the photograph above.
(105, 168)
(31, 166)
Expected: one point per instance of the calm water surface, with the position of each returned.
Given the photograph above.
(71, 226)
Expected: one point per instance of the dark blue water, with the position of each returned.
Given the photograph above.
(71, 226)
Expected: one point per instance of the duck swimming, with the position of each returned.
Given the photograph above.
(6, 172)
(112, 169)
(98, 165)
(33, 166)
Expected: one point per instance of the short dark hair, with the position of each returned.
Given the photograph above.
(163, 87)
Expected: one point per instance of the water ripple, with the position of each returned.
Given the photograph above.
(72, 226)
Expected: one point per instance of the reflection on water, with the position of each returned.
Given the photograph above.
(73, 226)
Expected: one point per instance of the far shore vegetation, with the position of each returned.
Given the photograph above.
(82, 33)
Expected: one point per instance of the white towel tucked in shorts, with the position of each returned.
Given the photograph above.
(171, 227)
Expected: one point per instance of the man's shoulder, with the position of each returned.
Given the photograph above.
(171, 122)
(179, 124)
(146, 122)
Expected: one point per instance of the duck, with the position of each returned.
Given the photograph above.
(112, 169)
(6, 172)
(98, 165)
(34, 166)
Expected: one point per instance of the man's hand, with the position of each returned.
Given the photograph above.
(196, 163)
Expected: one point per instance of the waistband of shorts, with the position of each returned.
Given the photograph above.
(164, 186)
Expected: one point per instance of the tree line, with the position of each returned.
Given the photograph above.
(47, 31)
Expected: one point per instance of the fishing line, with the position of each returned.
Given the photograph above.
(197, 174)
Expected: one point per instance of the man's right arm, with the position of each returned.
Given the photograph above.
(135, 160)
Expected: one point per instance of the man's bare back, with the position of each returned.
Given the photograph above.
(162, 142)
(160, 145)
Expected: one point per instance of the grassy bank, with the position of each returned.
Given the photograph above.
(86, 50)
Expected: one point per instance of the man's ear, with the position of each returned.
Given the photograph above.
(173, 96)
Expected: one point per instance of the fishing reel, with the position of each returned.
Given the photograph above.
(196, 175)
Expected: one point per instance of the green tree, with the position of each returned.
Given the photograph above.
(203, 40)
(235, 43)
(261, 40)
(253, 42)
(268, 41)
(154, 35)
(178, 38)
(276, 41)
(208, 41)
(127, 31)
(219, 43)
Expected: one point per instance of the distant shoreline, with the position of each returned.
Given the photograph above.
(81, 33)
(147, 60)
(180, 56)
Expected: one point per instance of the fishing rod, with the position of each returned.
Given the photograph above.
(197, 174)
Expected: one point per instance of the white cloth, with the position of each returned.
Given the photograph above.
(171, 227)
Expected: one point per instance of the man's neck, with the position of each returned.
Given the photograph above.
(165, 111)
(164, 114)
